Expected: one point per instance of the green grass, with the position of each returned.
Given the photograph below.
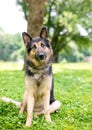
(73, 87)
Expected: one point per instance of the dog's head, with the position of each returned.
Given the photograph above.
(39, 50)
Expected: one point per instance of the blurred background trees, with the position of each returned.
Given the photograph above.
(11, 47)
(68, 23)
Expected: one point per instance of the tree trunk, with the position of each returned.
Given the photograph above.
(55, 57)
(35, 17)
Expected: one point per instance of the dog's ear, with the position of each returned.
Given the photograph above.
(26, 38)
(44, 33)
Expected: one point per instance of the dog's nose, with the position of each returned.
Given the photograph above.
(40, 56)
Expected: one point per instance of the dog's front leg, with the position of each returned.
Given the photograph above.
(23, 103)
(46, 99)
(30, 106)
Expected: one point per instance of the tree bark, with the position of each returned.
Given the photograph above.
(35, 17)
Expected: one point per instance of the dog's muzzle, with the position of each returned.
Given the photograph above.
(40, 56)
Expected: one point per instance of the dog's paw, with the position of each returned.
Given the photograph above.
(20, 111)
(28, 124)
(38, 113)
(48, 119)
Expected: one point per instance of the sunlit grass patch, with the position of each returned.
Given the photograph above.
(11, 66)
(71, 66)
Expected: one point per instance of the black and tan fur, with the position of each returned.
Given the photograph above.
(38, 77)
(39, 92)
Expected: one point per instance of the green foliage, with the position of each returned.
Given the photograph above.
(11, 47)
(62, 18)
(73, 88)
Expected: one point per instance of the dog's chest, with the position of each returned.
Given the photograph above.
(38, 77)
(38, 94)
(40, 87)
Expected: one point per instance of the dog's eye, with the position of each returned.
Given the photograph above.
(42, 45)
(34, 47)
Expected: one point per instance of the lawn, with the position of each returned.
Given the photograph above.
(73, 88)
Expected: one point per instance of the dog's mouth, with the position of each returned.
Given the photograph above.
(40, 56)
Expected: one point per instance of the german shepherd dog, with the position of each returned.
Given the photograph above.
(39, 92)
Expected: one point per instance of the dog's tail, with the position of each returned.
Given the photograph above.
(9, 100)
